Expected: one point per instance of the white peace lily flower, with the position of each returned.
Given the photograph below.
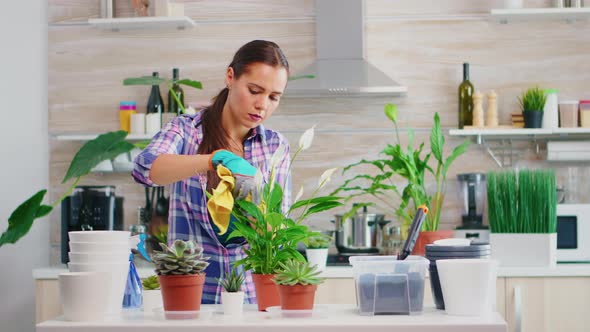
(306, 139)
(278, 156)
(259, 180)
(325, 177)
(299, 194)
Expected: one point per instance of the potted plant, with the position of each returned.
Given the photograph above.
(297, 282)
(273, 234)
(411, 165)
(316, 250)
(233, 297)
(532, 103)
(151, 295)
(180, 271)
(522, 214)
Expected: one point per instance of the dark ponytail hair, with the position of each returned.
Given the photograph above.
(214, 137)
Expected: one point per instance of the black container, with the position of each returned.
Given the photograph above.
(533, 119)
(434, 253)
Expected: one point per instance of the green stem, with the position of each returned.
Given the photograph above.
(175, 97)
(67, 193)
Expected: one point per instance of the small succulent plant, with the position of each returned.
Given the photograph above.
(181, 258)
(318, 241)
(293, 272)
(233, 281)
(151, 283)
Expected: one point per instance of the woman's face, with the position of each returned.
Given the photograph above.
(255, 95)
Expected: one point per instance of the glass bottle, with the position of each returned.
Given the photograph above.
(465, 99)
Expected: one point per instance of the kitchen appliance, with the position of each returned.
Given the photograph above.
(472, 187)
(573, 233)
(89, 208)
(341, 68)
(360, 233)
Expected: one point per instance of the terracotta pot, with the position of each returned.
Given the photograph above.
(297, 297)
(425, 238)
(182, 292)
(267, 293)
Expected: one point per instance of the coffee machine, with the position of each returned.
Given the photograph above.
(89, 208)
(472, 187)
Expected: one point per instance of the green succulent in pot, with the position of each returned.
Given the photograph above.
(232, 282)
(317, 241)
(151, 283)
(294, 272)
(181, 258)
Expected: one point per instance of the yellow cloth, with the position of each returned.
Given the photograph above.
(221, 202)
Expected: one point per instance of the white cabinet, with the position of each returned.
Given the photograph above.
(548, 304)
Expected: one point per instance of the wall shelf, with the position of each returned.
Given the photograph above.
(87, 137)
(500, 143)
(568, 14)
(150, 22)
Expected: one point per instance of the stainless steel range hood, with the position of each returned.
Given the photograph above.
(341, 68)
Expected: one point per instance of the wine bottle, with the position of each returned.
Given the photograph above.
(155, 106)
(173, 106)
(155, 102)
(465, 99)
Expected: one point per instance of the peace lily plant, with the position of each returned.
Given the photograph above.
(273, 234)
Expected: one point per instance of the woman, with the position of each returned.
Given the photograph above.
(229, 133)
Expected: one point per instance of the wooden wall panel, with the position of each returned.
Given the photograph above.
(420, 44)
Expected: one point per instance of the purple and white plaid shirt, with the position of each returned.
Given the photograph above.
(188, 216)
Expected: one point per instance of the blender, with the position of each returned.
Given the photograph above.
(472, 187)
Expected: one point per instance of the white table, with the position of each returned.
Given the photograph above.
(328, 318)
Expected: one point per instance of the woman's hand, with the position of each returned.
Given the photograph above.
(233, 162)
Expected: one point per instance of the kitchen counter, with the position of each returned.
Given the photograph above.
(345, 272)
(341, 318)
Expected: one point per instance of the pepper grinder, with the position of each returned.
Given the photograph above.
(477, 109)
(492, 114)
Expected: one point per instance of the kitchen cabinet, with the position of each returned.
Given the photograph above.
(548, 304)
(124, 23)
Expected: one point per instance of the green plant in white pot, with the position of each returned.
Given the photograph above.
(316, 250)
(522, 216)
(233, 297)
(151, 294)
(532, 103)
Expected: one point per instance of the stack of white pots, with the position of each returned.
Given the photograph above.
(103, 251)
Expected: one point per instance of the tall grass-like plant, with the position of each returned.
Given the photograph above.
(522, 201)
(532, 99)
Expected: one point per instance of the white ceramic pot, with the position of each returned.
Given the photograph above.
(541, 249)
(468, 285)
(99, 257)
(99, 236)
(100, 246)
(151, 299)
(118, 273)
(317, 257)
(84, 295)
(233, 303)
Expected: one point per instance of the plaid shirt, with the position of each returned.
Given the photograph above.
(188, 216)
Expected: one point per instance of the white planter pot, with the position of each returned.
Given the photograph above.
(233, 303)
(152, 299)
(524, 249)
(317, 257)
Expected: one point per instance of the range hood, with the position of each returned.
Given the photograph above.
(341, 68)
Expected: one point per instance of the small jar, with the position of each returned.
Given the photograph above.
(391, 239)
(585, 113)
(568, 113)
(126, 108)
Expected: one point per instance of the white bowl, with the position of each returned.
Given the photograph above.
(99, 236)
(118, 272)
(99, 257)
(84, 295)
(99, 246)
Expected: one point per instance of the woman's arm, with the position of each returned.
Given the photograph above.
(170, 168)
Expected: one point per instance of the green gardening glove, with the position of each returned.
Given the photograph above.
(235, 164)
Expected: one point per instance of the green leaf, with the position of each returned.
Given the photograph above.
(104, 147)
(144, 80)
(251, 209)
(276, 197)
(437, 140)
(43, 210)
(21, 219)
(391, 112)
(275, 220)
(314, 200)
(142, 144)
(459, 150)
(191, 83)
